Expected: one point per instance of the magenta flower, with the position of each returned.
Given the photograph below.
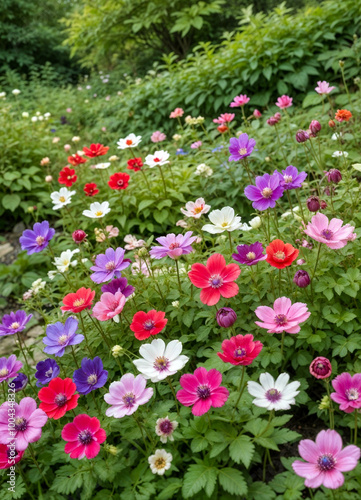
(323, 88)
(325, 460)
(29, 420)
(202, 390)
(9, 367)
(173, 246)
(109, 265)
(109, 307)
(284, 317)
(224, 118)
(158, 136)
(332, 233)
(290, 178)
(240, 148)
(267, 190)
(348, 391)
(239, 101)
(284, 102)
(249, 254)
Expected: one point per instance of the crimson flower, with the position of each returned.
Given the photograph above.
(67, 176)
(76, 302)
(58, 398)
(146, 324)
(215, 278)
(135, 164)
(240, 350)
(84, 437)
(119, 180)
(91, 189)
(95, 150)
(76, 159)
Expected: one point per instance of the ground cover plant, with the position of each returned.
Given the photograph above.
(198, 296)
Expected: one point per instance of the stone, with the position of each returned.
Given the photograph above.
(5, 249)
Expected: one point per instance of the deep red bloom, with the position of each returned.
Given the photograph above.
(9, 456)
(67, 176)
(96, 150)
(280, 254)
(58, 398)
(146, 324)
(84, 437)
(76, 159)
(91, 189)
(119, 180)
(215, 278)
(240, 350)
(76, 302)
(135, 164)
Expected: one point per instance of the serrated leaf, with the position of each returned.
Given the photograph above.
(241, 450)
(232, 481)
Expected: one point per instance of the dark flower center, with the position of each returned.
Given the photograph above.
(129, 399)
(166, 427)
(240, 352)
(215, 281)
(60, 400)
(148, 325)
(161, 363)
(326, 462)
(281, 319)
(273, 395)
(92, 379)
(327, 234)
(203, 392)
(85, 437)
(21, 424)
(120, 182)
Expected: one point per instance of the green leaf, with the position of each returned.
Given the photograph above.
(11, 201)
(242, 450)
(260, 491)
(144, 204)
(168, 492)
(196, 479)
(232, 481)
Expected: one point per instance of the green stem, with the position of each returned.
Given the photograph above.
(356, 415)
(37, 465)
(163, 180)
(174, 394)
(230, 241)
(241, 388)
(179, 281)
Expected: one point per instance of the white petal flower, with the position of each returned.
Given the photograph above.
(37, 285)
(159, 361)
(131, 141)
(15, 91)
(61, 198)
(336, 154)
(102, 166)
(224, 220)
(63, 262)
(195, 208)
(204, 170)
(160, 462)
(274, 394)
(159, 158)
(97, 210)
(256, 222)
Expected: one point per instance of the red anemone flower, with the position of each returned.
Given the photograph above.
(280, 254)
(76, 302)
(58, 398)
(67, 176)
(84, 437)
(215, 278)
(76, 159)
(119, 180)
(135, 164)
(95, 150)
(91, 189)
(146, 324)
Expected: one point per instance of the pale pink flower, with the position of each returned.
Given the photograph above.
(323, 88)
(239, 100)
(257, 113)
(182, 223)
(224, 118)
(332, 233)
(67, 147)
(284, 102)
(158, 136)
(132, 242)
(284, 317)
(55, 140)
(45, 161)
(177, 113)
(110, 232)
(195, 208)
(196, 145)
(126, 395)
(110, 306)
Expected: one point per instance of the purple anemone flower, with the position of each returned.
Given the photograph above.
(249, 254)
(90, 376)
(290, 178)
(59, 336)
(119, 285)
(241, 147)
(14, 322)
(173, 246)
(36, 239)
(9, 367)
(46, 371)
(108, 265)
(266, 191)
(19, 383)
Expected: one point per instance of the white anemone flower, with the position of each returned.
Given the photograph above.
(195, 208)
(102, 166)
(159, 361)
(63, 262)
(97, 210)
(159, 158)
(61, 198)
(224, 220)
(131, 141)
(274, 394)
(336, 154)
(160, 462)
(256, 222)
(15, 92)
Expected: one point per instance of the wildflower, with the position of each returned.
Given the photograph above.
(97, 210)
(9, 367)
(224, 118)
(255, 223)
(113, 158)
(79, 235)
(67, 147)
(222, 129)
(59, 336)
(106, 234)
(48, 178)
(173, 246)
(58, 398)
(9, 455)
(334, 175)
(338, 154)
(257, 114)
(239, 101)
(313, 203)
(117, 351)
(45, 161)
(325, 460)
(274, 394)
(223, 220)
(131, 141)
(284, 317)
(19, 382)
(321, 367)
(240, 147)
(29, 421)
(348, 391)
(61, 198)
(90, 376)
(95, 150)
(157, 159)
(177, 113)
(175, 304)
(160, 462)
(109, 265)
(226, 317)
(202, 391)
(240, 350)
(146, 324)
(177, 137)
(343, 115)
(302, 136)
(323, 88)
(301, 278)
(46, 371)
(132, 242)
(109, 307)
(127, 395)
(249, 254)
(196, 145)
(76, 302)
(315, 127)
(63, 262)
(332, 233)
(36, 239)
(91, 189)
(37, 285)
(284, 102)
(118, 181)
(160, 360)
(158, 136)
(290, 178)
(14, 322)
(195, 209)
(119, 285)
(15, 92)
(164, 428)
(135, 164)
(84, 437)
(266, 192)
(102, 166)
(204, 170)
(280, 254)
(76, 159)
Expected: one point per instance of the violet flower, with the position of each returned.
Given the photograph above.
(240, 148)
(19, 383)
(109, 265)
(249, 254)
(90, 376)
(119, 285)
(59, 336)
(9, 367)
(14, 322)
(46, 371)
(266, 191)
(173, 246)
(290, 178)
(36, 239)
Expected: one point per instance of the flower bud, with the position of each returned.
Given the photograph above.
(117, 351)
(226, 317)
(323, 204)
(300, 262)
(222, 129)
(315, 127)
(334, 175)
(48, 178)
(79, 235)
(331, 124)
(272, 121)
(325, 403)
(256, 222)
(321, 367)
(313, 204)
(341, 63)
(257, 113)
(301, 278)
(175, 304)
(278, 116)
(302, 136)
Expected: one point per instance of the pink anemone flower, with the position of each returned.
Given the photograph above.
(325, 460)
(332, 233)
(348, 391)
(284, 317)
(126, 395)
(84, 437)
(323, 88)
(224, 118)
(239, 101)
(173, 246)
(109, 306)
(202, 390)
(284, 102)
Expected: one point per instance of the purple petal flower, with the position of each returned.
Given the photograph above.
(249, 254)
(46, 371)
(90, 376)
(241, 147)
(119, 285)
(14, 322)
(9, 367)
(173, 246)
(290, 178)
(59, 336)
(36, 239)
(266, 191)
(20, 382)
(109, 265)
